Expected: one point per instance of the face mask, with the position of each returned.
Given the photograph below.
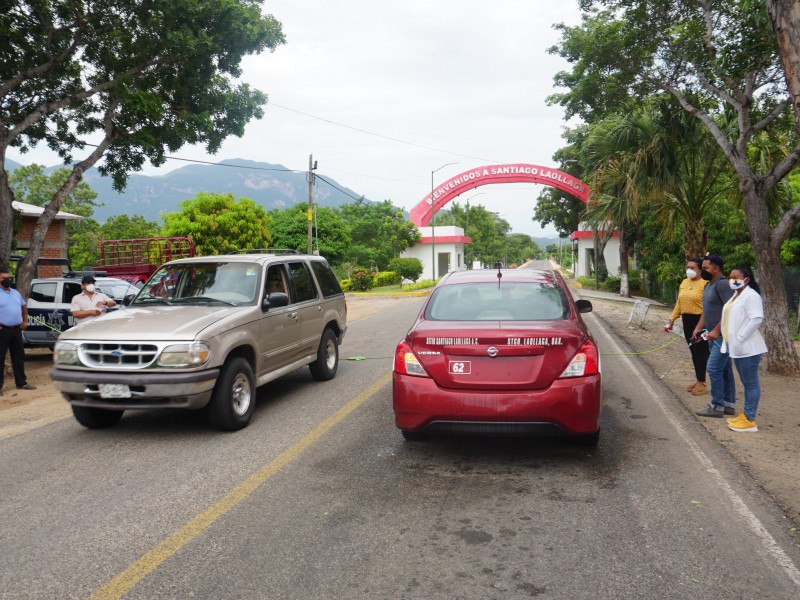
(90, 288)
(706, 275)
(736, 284)
(6, 283)
(691, 273)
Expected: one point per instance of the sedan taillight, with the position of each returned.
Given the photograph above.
(405, 361)
(585, 362)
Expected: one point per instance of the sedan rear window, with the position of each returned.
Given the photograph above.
(503, 302)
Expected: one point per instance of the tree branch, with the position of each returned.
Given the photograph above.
(51, 107)
(776, 112)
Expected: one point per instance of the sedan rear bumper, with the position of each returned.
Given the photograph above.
(570, 405)
(152, 390)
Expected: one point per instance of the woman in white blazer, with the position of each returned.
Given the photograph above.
(741, 317)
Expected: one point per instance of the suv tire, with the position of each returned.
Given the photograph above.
(234, 398)
(96, 418)
(327, 363)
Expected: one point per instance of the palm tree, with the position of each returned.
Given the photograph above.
(661, 154)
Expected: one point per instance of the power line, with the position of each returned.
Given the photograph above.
(385, 137)
(337, 187)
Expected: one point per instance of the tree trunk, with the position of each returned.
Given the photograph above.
(782, 357)
(694, 238)
(6, 213)
(785, 18)
(624, 283)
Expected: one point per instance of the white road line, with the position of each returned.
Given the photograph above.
(752, 521)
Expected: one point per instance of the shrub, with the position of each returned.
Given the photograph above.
(419, 285)
(408, 268)
(612, 284)
(346, 284)
(387, 278)
(362, 280)
(586, 281)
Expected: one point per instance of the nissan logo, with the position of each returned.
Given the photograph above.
(492, 351)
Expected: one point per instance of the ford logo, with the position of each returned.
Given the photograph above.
(492, 351)
(116, 353)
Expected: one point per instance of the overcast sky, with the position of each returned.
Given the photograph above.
(459, 80)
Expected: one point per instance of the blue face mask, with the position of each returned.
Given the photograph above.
(736, 284)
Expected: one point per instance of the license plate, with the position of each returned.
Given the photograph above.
(460, 367)
(114, 390)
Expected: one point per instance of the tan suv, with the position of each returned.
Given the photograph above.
(205, 332)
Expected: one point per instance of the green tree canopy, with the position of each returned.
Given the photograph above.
(218, 223)
(33, 186)
(138, 79)
(290, 230)
(717, 59)
(379, 232)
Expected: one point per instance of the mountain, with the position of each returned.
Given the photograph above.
(271, 185)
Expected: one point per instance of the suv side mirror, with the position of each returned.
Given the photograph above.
(275, 300)
(128, 299)
(583, 306)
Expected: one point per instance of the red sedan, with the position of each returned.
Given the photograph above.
(499, 352)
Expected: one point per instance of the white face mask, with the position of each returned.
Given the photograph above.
(90, 288)
(691, 273)
(736, 284)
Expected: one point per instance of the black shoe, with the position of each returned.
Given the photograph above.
(27, 386)
(709, 411)
(729, 410)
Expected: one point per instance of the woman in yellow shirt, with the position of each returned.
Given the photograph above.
(689, 307)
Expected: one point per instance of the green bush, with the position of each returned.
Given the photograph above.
(387, 278)
(586, 281)
(408, 268)
(419, 285)
(346, 284)
(612, 284)
(634, 281)
(362, 280)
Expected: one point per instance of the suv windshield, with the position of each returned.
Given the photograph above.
(493, 302)
(116, 289)
(228, 283)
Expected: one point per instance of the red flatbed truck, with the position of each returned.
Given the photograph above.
(136, 259)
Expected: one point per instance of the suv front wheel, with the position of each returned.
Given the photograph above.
(96, 418)
(234, 398)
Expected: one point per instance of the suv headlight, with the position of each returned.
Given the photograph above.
(194, 354)
(65, 353)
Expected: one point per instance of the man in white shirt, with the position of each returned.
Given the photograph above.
(89, 303)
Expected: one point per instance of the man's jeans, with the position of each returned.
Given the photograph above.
(720, 374)
(748, 373)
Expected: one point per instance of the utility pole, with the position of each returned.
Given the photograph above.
(311, 167)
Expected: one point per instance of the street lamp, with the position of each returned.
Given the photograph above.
(433, 221)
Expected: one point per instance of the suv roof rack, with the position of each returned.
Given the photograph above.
(265, 251)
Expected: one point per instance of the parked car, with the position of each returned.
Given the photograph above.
(204, 332)
(499, 352)
(49, 312)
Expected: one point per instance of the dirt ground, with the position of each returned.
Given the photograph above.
(772, 455)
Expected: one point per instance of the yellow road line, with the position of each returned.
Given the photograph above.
(151, 560)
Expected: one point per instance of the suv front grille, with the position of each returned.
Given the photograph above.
(125, 356)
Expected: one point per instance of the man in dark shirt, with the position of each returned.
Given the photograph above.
(720, 369)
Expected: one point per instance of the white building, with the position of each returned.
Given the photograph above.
(447, 243)
(583, 253)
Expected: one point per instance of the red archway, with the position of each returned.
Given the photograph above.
(511, 173)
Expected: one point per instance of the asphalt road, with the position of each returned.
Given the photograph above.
(320, 497)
